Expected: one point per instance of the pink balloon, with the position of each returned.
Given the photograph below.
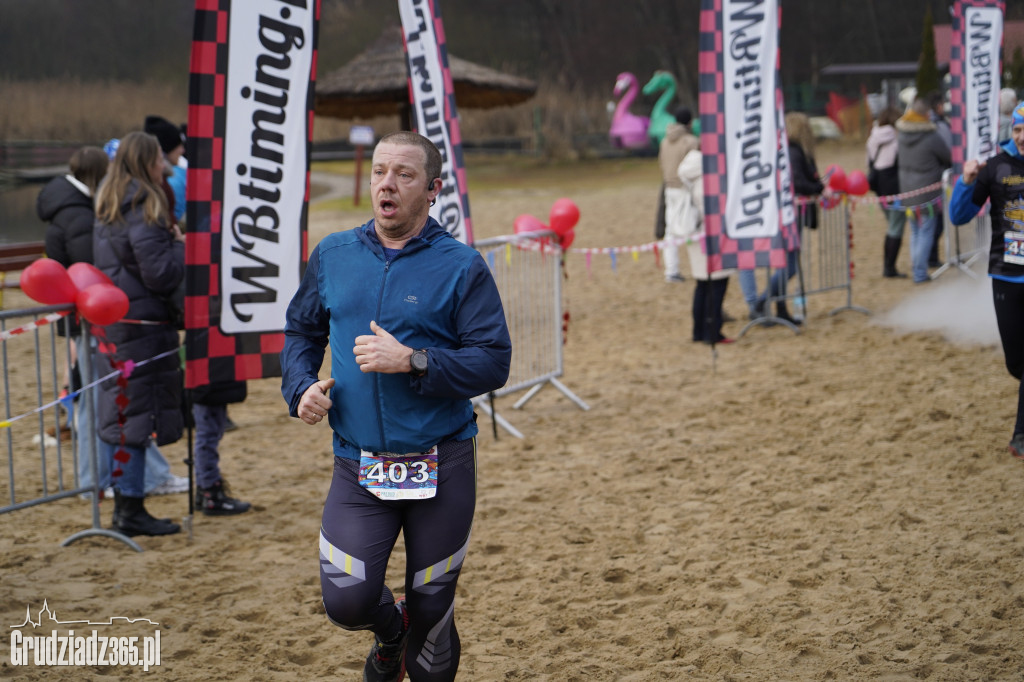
(857, 183)
(527, 223)
(836, 178)
(564, 216)
(85, 274)
(102, 303)
(567, 239)
(47, 282)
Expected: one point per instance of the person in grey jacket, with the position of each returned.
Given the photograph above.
(143, 252)
(923, 156)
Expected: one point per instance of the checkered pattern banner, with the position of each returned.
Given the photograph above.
(432, 95)
(974, 70)
(249, 135)
(748, 200)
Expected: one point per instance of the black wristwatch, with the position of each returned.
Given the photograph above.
(418, 361)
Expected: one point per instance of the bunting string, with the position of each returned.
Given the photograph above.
(125, 369)
(52, 317)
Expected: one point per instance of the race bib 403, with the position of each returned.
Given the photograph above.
(399, 477)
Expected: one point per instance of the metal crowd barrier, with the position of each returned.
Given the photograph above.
(963, 244)
(825, 264)
(39, 469)
(528, 273)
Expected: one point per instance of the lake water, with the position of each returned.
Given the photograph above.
(18, 219)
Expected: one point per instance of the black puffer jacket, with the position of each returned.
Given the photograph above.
(806, 183)
(147, 263)
(70, 215)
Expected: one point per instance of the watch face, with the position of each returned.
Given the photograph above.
(418, 361)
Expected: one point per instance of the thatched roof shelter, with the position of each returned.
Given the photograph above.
(375, 83)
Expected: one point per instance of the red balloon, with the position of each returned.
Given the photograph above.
(527, 223)
(566, 240)
(47, 282)
(85, 274)
(102, 303)
(836, 178)
(857, 183)
(564, 216)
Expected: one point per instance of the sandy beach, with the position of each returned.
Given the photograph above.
(837, 504)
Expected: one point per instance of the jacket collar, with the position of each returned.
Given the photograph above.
(431, 232)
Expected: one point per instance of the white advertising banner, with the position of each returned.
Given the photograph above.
(434, 113)
(265, 161)
(754, 133)
(983, 38)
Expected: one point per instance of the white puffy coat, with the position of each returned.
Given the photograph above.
(689, 217)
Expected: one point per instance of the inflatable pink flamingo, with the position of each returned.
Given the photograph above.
(627, 131)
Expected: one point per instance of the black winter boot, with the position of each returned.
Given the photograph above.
(892, 251)
(782, 312)
(131, 518)
(216, 501)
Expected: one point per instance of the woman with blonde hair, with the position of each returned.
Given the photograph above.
(807, 186)
(137, 245)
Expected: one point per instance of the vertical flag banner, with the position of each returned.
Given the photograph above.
(974, 69)
(432, 95)
(750, 219)
(250, 126)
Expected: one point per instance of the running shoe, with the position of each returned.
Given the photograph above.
(386, 662)
(1017, 445)
(172, 485)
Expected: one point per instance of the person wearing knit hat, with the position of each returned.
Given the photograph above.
(172, 143)
(166, 133)
(999, 181)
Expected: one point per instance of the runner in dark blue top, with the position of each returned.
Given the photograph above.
(1000, 180)
(429, 334)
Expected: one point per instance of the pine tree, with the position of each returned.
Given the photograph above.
(927, 68)
(1014, 71)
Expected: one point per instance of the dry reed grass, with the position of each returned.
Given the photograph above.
(75, 110)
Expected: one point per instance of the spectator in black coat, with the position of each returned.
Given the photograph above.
(143, 252)
(66, 203)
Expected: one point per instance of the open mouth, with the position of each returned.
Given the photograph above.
(387, 207)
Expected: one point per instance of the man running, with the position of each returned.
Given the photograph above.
(429, 334)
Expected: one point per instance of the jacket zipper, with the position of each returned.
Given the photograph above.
(377, 378)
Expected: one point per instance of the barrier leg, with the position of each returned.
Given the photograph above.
(498, 419)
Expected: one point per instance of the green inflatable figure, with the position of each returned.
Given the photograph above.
(665, 83)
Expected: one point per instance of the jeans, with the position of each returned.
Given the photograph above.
(133, 472)
(210, 421)
(776, 287)
(748, 285)
(897, 219)
(922, 234)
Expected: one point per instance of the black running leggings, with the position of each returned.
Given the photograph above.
(357, 535)
(1008, 298)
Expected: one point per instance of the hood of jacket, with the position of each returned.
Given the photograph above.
(674, 131)
(882, 135)
(915, 125)
(57, 195)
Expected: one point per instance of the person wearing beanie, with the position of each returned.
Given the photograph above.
(999, 181)
(172, 144)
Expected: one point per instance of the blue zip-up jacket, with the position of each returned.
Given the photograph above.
(436, 293)
(1000, 181)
